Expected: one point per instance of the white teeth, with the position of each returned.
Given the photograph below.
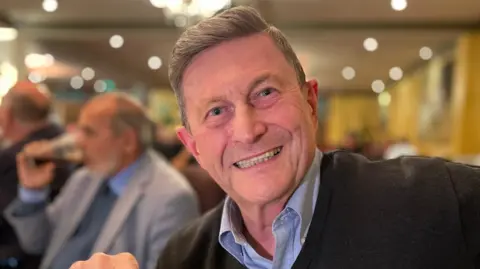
(259, 159)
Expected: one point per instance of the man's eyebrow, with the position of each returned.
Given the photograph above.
(259, 80)
(213, 100)
(251, 86)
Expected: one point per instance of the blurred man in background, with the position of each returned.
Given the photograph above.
(168, 145)
(400, 148)
(126, 198)
(24, 113)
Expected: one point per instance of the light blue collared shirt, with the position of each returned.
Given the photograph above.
(289, 228)
(117, 184)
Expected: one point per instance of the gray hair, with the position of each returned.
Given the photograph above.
(129, 114)
(231, 24)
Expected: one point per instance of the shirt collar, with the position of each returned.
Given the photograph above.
(119, 182)
(302, 202)
(304, 198)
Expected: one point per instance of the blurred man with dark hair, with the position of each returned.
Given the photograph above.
(24, 113)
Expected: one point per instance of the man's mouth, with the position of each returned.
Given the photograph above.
(258, 159)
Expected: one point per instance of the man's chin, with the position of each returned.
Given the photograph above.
(100, 172)
(262, 195)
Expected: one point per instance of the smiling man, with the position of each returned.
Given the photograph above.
(250, 121)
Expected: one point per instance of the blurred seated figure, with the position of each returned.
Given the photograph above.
(125, 198)
(400, 148)
(2, 141)
(166, 143)
(208, 192)
(24, 113)
(353, 142)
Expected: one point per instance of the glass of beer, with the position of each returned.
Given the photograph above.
(62, 149)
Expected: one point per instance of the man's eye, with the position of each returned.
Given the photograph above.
(87, 132)
(215, 111)
(265, 92)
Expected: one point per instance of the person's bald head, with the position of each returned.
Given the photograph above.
(115, 131)
(28, 103)
(122, 112)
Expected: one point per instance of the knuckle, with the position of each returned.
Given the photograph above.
(99, 255)
(126, 255)
(77, 265)
(127, 258)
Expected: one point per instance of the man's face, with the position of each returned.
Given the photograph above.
(252, 126)
(102, 149)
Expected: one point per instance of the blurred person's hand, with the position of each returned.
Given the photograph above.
(103, 261)
(33, 176)
(40, 148)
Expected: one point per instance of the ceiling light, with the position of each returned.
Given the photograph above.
(348, 73)
(48, 60)
(211, 6)
(35, 60)
(8, 77)
(426, 53)
(384, 99)
(180, 21)
(183, 13)
(159, 3)
(396, 73)
(177, 6)
(100, 86)
(88, 73)
(76, 82)
(50, 5)
(399, 5)
(378, 86)
(35, 77)
(116, 41)
(370, 44)
(154, 62)
(8, 34)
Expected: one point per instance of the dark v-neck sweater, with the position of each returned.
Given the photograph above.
(412, 213)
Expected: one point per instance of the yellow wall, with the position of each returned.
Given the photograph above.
(466, 98)
(459, 133)
(347, 113)
(404, 108)
(408, 98)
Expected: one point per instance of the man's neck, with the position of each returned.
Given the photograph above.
(258, 219)
(258, 224)
(126, 162)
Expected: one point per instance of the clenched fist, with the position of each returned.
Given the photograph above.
(31, 176)
(103, 261)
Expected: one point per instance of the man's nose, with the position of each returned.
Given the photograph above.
(247, 126)
(79, 140)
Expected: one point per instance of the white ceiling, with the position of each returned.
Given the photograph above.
(327, 34)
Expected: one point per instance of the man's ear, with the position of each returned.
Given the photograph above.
(312, 96)
(188, 141)
(130, 140)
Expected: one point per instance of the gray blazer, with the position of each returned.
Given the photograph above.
(157, 202)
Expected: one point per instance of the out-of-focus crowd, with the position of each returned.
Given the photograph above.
(362, 143)
(114, 182)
